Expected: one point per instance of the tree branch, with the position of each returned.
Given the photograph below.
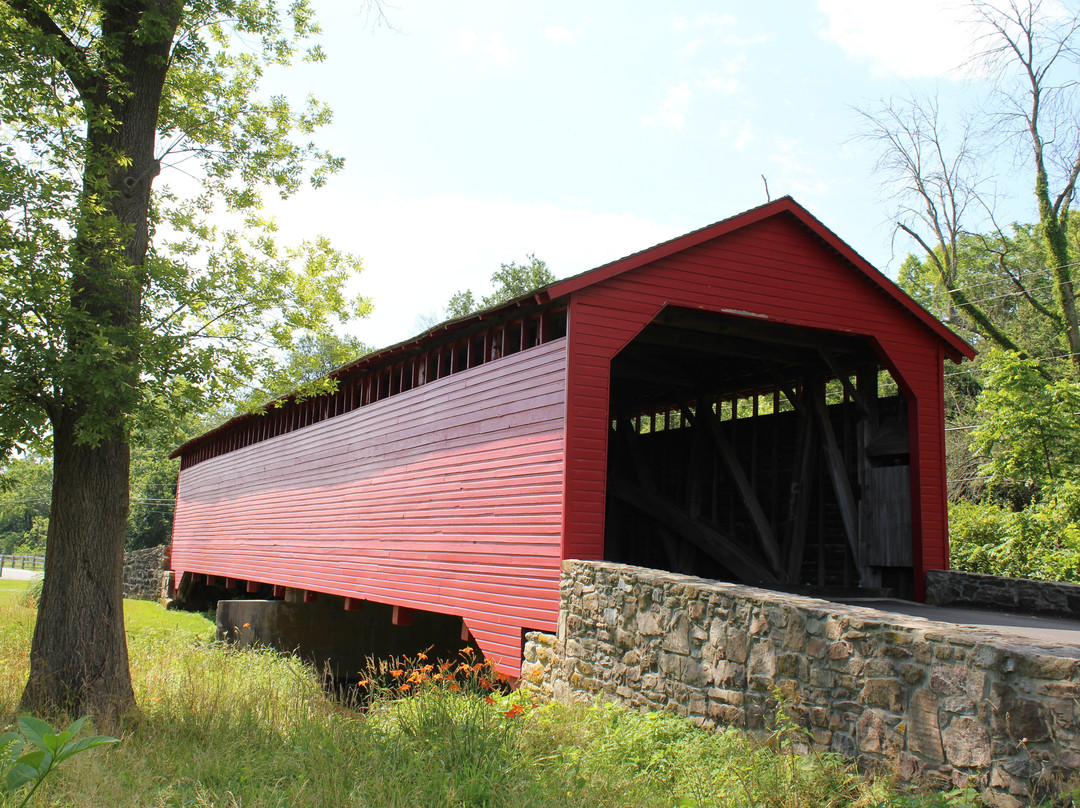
(71, 57)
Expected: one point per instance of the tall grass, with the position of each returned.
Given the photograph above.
(224, 727)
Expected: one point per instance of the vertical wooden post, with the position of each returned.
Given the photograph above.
(837, 471)
(866, 380)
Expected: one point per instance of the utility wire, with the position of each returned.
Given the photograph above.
(1051, 357)
(1008, 279)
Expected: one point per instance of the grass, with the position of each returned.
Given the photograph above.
(13, 586)
(224, 727)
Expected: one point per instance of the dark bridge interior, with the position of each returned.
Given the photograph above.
(757, 452)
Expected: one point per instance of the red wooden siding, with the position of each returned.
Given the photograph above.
(447, 497)
(776, 267)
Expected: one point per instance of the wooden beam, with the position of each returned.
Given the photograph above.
(402, 616)
(802, 484)
(742, 483)
(310, 597)
(695, 464)
(763, 331)
(353, 604)
(706, 538)
(849, 388)
(834, 459)
(788, 391)
(630, 439)
(187, 580)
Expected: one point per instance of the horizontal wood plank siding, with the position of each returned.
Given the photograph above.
(777, 268)
(447, 497)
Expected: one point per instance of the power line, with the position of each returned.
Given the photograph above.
(1010, 278)
(1017, 293)
(963, 371)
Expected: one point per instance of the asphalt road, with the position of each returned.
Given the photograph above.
(1038, 630)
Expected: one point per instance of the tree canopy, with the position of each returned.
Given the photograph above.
(939, 168)
(122, 304)
(1014, 458)
(510, 280)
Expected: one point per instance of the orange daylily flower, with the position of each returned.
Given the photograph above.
(515, 711)
(397, 673)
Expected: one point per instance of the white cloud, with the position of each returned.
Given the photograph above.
(672, 111)
(796, 172)
(738, 134)
(725, 85)
(418, 251)
(490, 46)
(913, 39)
(711, 20)
(564, 36)
(690, 48)
(725, 80)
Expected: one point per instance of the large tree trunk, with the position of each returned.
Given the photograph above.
(81, 665)
(79, 660)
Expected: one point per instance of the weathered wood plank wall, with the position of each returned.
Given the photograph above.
(447, 497)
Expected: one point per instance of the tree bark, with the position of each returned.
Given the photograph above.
(79, 659)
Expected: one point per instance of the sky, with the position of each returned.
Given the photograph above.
(478, 132)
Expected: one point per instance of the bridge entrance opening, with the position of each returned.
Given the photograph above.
(758, 452)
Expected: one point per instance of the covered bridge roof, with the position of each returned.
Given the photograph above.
(954, 347)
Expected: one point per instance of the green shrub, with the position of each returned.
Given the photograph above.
(1041, 541)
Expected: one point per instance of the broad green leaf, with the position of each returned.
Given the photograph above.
(39, 759)
(35, 730)
(83, 744)
(19, 775)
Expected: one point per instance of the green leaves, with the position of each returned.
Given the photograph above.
(51, 749)
(511, 280)
(123, 311)
(1027, 425)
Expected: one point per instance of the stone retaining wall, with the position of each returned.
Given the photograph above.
(952, 588)
(928, 700)
(146, 575)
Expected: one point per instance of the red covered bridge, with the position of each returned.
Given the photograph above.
(751, 401)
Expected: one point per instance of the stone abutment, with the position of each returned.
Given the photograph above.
(935, 703)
